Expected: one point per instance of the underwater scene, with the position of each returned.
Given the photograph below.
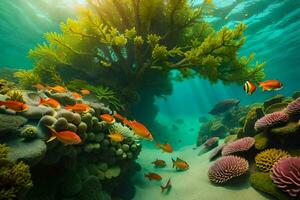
(149, 99)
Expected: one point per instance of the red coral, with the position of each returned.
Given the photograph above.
(286, 175)
(293, 107)
(243, 144)
(226, 168)
(271, 120)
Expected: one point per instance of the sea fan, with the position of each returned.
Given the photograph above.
(286, 175)
(271, 120)
(243, 144)
(293, 107)
(226, 168)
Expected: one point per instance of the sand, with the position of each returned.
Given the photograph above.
(192, 184)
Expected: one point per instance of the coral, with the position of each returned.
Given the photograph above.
(263, 182)
(29, 132)
(71, 184)
(285, 174)
(271, 120)
(296, 95)
(293, 107)
(276, 107)
(217, 151)
(10, 124)
(14, 177)
(266, 159)
(6, 86)
(226, 168)
(261, 141)
(15, 95)
(253, 115)
(290, 128)
(274, 100)
(211, 142)
(230, 138)
(91, 189)
(240, 145)
(113, 172)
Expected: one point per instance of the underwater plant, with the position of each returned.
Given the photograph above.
(15, 95)
(27, 78)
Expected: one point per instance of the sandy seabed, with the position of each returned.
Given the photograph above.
(192, 184)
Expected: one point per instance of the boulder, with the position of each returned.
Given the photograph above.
(10, 124)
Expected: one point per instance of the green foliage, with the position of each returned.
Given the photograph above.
(15, 95)
(14, 177)
(27, 78)
(6, 86)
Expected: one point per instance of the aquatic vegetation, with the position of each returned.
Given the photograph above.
(271, 120)
(266, 159)
(6, 86)
(227, 168)
(15, 95)
(240, 145)
(27, 78)
(14, 177)
(285, 174)
(293, 107)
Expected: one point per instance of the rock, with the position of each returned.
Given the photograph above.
(100, 108)
(47, 120)
(82, 127)
(77, 119)
(61, 124)
(68, 115)
(87, 118)
(63, 98)
(253, 115)
(36, 113)
(31, 98)
(31, 152)
(72, 127)
(261, 141)
(276, 107)
(91, 190)
(296, 95)
(224, 106)
(99, 137)
(290, 128)
(71, 184)
(10, 124)
(113, 172)
(125, 147)
(276, 99)
(29, 132)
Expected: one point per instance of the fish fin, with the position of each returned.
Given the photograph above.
(53, 134)
(162, 189)
(178, 159)
(173, 161)
(51, 138)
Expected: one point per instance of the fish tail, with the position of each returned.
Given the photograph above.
(173, 161)
(53, 134)
(162, 189)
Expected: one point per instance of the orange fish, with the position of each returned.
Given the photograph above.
(76, 95)
(15, 105)
(249, 87)
(58, 89)
(85, 92)
(180, 164)
(78, 107)
(120, 117)
(153, 176)
(66, 137)
(167, 186)
(271, 85)
(116, 137)
(139, 129)
(50, 103)
(39, 86)
(165, 147)
(107, 118)
(159, 163)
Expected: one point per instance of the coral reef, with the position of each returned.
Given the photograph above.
(217, 151)
(240, 145)
(261, 141)
(227, 168)
(285, 174)
(293, 107)
(266, 159)
(271, 120)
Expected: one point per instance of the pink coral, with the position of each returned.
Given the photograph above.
(243, 144)
(211, 141)
(216, 152)
(226, 168)
(293, 107)
(271, 120)
(286, 175)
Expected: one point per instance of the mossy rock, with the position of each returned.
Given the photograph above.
(276, 99)
(263, 182)
(252, 116)
(276, 107)
(296, 95)
(71, 184)
(261, 141)
(288, 129)
(91, 190)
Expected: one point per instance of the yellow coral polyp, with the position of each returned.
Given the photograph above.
(266, 159)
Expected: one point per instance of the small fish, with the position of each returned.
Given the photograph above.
(167, 186)
(271, 85)
(180, 164)
(153, 176)
(57, 89)
(120, 117)
(116, 137)
(50, 103)
(139, 129)
(165, 147)
(107, 118)
(79, 108)
(249, 87)
(159, 163)
(76, 95)
(65, 137)
(85, 92)
(15, 105)
(39, 86)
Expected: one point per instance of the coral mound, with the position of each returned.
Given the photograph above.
(271, 120)
(243, 144)
(293, 107)
(266, 159)
(226, 168)
(286, 175)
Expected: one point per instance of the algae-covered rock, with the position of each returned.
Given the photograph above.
(113, 172)
(276, 99)
(36, 113)
(77, 119)
(230, 138)
(63, 98)
(29, 132)
(91, 190)
(71, 184)
(61, 124)
(47, 120)
(9, 124)
(68, 115)
(253, 115)
(276, 107)
(72, 127)
(125, 147)
(263, 182)
(31, 98)
(290, 128)
(261, 141)
(296, 95)
(82, 127)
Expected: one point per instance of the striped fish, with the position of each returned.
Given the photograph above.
(249, 87)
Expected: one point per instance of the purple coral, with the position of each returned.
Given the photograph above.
(243, 144)
(293, 107)
(226, 168)
(216, 151)
(286, 175)
(271, 120)
(211, 141)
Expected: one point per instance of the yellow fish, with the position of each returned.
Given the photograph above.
(116, 137)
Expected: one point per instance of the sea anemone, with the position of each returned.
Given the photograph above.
(211, 142)
(286, 175)
(226, 168)
(243, 144)
(266, 159)
(293, 107)
(271, 120)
